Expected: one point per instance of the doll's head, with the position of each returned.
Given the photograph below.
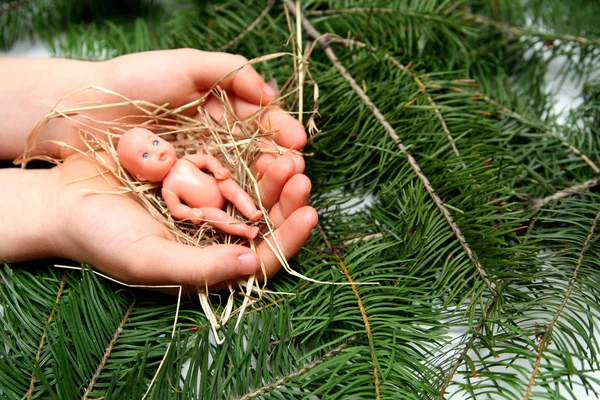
(145, 155)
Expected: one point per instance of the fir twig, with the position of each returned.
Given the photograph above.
(38, 355)
(361, 308)
(108, 351)
(9, 7)
(250, 27)
(256, 393)
(546, 338)
(538, 203)
(537, 125)
(462, 355)
(466, 17)
(311, 31)
(416, 79)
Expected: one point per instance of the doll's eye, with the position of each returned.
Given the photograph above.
(155, 143)
(145, 156)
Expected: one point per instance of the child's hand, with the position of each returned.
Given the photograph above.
(117, 236)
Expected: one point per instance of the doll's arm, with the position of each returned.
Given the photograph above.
(206, 161)
(180, 210)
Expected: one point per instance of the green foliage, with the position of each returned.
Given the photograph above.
(432, 326)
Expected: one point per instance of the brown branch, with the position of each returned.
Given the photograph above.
(38, 355)
(108, 351)
(295, 374)
(257, 21)
(363, 314)
(546, 338)
(361, 309)
(539, 203)
(324, 43)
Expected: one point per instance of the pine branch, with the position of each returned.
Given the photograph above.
(545, 340)
(38, 355)
(545, 36)
(250, 27)
(108, 351)
(311, 31)
(537, 125)
(368, 10)
(12, 6)
(302, 371)
(418, 81)
(547, 131)
(539, 203)
(361, 308)
(466, 17)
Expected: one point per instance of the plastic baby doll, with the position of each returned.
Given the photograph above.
(150, 158)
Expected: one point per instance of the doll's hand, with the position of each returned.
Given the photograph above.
(117, 236)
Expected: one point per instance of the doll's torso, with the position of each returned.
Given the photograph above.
(192, 186)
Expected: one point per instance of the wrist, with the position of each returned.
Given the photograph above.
(29, 87)
(28, 226)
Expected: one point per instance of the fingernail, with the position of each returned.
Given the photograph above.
(269, 91)
(247, 264)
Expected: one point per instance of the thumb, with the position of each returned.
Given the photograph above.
(161, 261)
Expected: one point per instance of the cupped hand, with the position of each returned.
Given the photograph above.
(116, 235)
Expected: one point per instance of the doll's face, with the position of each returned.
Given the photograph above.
(145, 155)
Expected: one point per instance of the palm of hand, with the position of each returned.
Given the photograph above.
(118, 236)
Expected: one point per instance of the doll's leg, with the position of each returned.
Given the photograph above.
(240, 199)
(225, 222)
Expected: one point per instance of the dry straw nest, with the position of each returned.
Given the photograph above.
(236, 143)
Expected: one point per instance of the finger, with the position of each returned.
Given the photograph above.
(259, 167)
(162, 261)
(290, 237)
(274, 179)
(215, 108)
(286, 130)
(209, 68)
(294, 195)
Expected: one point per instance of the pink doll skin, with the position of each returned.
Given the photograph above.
(150, 158)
